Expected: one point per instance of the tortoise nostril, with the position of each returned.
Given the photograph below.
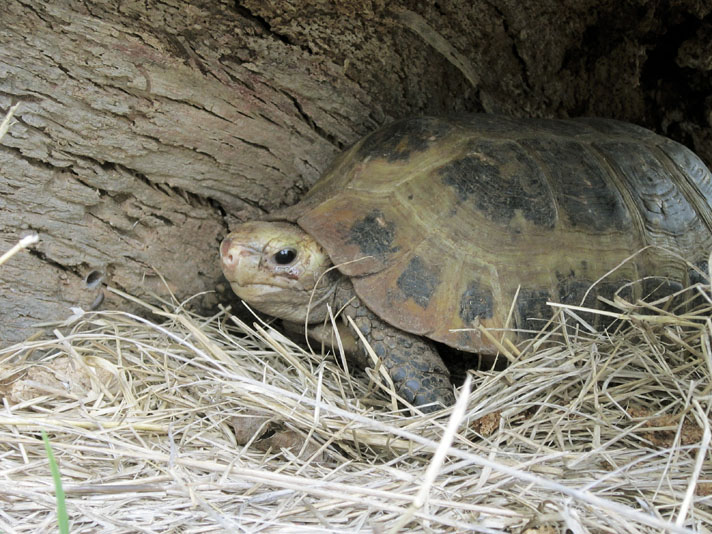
(225, 249)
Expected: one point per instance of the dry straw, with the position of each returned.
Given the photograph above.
(191, 424)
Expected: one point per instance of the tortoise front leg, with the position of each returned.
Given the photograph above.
(413, 363)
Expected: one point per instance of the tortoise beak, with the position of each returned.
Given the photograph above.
(236, 260)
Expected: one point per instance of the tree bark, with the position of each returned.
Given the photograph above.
(146, 129)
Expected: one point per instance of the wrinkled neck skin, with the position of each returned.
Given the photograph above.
(311, 306)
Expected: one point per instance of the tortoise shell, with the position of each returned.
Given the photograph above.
(440, 222)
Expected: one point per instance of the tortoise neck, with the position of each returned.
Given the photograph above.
(337, 291)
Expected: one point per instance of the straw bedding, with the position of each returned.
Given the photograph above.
(188, 424)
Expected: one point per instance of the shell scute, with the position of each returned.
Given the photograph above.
(418, 282)
(500, 178)
(476, 302)
(659, 199)
(373, 234)
(574, 289)
(400, 139)
(532, 307)
(584, 188)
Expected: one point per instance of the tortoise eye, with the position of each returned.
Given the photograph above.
(285, 256)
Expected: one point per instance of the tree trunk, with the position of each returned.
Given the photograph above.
(146, 129)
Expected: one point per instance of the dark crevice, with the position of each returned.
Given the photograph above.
(164, 220)
(608, 31)
(14, 99)
(669, 86)
(218, 208)
(254, 145)
(267, 119)
(193, 59)
(33, 251)
(163, 187)
(34, 162)
(264, 26)
(254, 204)
(310, 122)
(307, 163)
(223, 212)
(81, 180)
(128, 234)
(260, 22)
(515, 49)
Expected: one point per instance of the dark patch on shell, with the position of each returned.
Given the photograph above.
(476, 301)
(399, 140)
(418, 282)
(695, 277)
(654, 190)
(586, 194)
(532, 307)
(373, 235)
(609, 289)
(466, 176)
(500, 179)
(572, 290)
(657, 288)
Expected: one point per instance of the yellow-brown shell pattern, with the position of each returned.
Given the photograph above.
(440, 222)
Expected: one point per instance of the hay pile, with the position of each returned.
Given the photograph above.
(194, 425)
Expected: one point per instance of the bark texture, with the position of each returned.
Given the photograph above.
(147, 128)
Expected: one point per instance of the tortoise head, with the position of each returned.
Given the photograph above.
(276, 268)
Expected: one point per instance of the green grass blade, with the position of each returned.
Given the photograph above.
(62, 518)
